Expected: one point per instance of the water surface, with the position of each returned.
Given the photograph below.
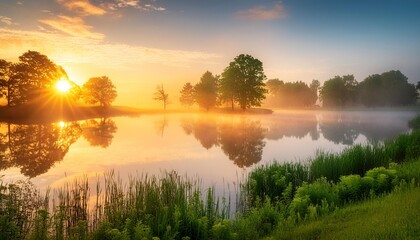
(217, 148)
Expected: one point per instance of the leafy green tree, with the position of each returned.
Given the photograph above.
(388, 89)
(314, 86)
(206, 91)
(242, 82)
(187, 95)
(99, 90)
(339, 91)
(161, 95)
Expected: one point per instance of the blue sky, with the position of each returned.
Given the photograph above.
(171, 42)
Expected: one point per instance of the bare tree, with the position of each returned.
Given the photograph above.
(161, 95)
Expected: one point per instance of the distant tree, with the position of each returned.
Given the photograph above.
(99, 90)
(296, 94)
(161, 95)
(388, 89)
(187, 95)
(314, 86)
(339, 91)
(418, 89)
(206, 91)
(242, 81)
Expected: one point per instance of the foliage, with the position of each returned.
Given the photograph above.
(31, 80)
(99, 90)
(296, 94)
(392, 217)
(242, 82)
(187, 95)
(161, 95)
(206, 91)
(339, 91)
(388, 89)
(415, 123)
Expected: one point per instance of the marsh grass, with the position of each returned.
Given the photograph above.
(171, 206)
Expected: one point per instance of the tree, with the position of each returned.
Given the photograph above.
(314, 86)
(242, 81)
(187, 95)
(206, 91)
(388, 89)
(339, 91)
(4, 77)
(290, 94)
(99, 90)
(161, 95)
(32, 79)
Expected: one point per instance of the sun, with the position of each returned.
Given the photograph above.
(63, 86)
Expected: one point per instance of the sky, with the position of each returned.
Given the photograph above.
(140, 44)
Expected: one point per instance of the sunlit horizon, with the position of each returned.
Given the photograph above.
(142, 44)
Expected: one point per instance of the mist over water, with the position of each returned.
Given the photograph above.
(218, 148)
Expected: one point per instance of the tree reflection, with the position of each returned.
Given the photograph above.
(35, 148)
(243, 143)
(99, 133)
(292, 125)
(339, 128)
(206, 133)
(4, 159)
(161, 125)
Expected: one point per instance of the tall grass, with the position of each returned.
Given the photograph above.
(280, 181)
(174, 207)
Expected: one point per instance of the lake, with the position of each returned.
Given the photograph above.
(218, 148)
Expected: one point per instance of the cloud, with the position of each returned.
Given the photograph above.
(83, 7)
(137, 4)
(6, 20)
(73, 26)
(65, 49)
(262, 13)
(19, 3)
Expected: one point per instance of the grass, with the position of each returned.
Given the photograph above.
(300, 201)
(395, 216)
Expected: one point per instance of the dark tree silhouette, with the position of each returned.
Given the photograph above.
(187, 95)
(388, 89)
(243, 143)
(161, 95)
(33, 79)
(242, 81)
(99, 133)
(35, 148)
(5, 72)
(99, 90)
(206, 91)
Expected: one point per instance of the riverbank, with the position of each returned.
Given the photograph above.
(174, 207)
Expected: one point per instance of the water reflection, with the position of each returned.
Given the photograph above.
(241, 141)
(99, 132)
(35, 148)
(292, 125)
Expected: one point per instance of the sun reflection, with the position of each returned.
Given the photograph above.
(61, 124)
(63, 86)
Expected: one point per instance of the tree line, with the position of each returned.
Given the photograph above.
(33, 80)
(243, 84)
